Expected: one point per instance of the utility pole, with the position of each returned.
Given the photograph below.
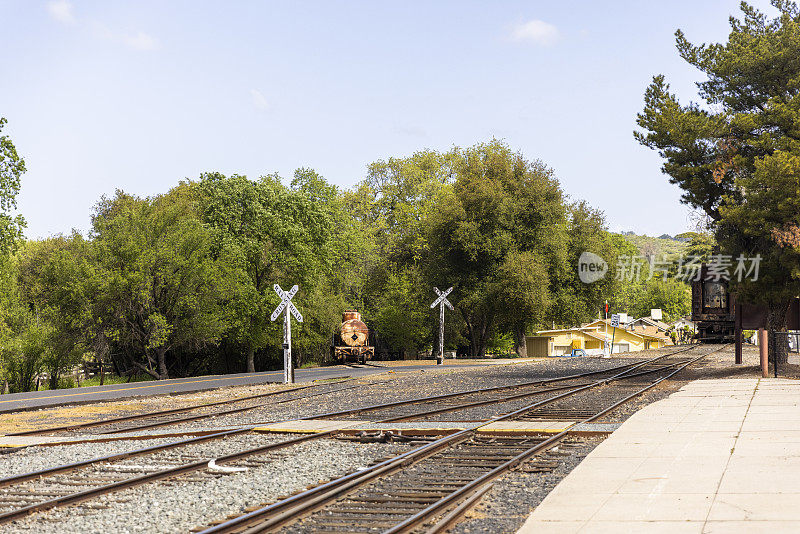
(287, 306)
(442, 302)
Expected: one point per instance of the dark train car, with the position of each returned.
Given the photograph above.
(352, 341)
(712, 309)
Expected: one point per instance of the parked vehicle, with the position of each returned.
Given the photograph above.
(575, 353)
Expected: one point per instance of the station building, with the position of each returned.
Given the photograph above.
(594, 338)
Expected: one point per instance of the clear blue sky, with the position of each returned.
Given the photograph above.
(138, 95)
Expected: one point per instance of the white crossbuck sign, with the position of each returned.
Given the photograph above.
(442, 298)
(286, 301)
(287, 307)
(441, 302)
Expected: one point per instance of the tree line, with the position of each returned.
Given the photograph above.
(180, 283)
(736, 153)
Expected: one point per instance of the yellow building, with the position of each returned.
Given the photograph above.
(560, 342)
(651, 338)
(592, 338)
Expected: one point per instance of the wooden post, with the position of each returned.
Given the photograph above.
(440, 357)
(763, 349)
(287, 307)
(288, 367)
(737, 331)
(613, 333)
(442, 302)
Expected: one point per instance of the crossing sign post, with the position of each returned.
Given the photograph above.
(288, 307)
(442, 302)
(614, 325)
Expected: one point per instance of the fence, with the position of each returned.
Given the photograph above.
(778, 338)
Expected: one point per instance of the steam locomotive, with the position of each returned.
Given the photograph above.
(712, 309)
(352, 341)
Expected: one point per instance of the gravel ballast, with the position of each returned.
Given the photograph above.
(35, 458)
(194, 501)
(188, 502)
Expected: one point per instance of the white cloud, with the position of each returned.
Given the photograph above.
(535, 31)
(411, 131)
(61, 10)
(259, 102)
(140, 41)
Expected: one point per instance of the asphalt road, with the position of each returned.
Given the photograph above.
(32, 400)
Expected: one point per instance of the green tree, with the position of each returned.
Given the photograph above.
(14, 319)
(401, 317)
(497, 232)
(388, 241)
(162, 288)
(701, 244)
(24, 357)
(735, 157)
(267, 234)
(12, 166)
(573, 301)
(56, 282)
(398, 197)
(638, 297)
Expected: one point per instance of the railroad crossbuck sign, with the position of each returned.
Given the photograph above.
(287, 306)
(441, 302)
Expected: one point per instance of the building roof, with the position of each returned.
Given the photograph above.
(651, 336)
(599, 322)
(590, 334)
(595, 332)
(658, 324)
(573, 329)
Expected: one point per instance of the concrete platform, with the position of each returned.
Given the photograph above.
(717, 456)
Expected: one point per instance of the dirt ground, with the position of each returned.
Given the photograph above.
(65, 415)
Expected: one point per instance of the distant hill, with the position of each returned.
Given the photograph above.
(665, 244)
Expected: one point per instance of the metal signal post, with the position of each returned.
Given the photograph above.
(287, 305)
(442, 302)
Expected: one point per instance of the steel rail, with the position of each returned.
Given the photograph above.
(481, 484)
(325, 492)
(153, 414)
(454, 515)
(223, 412)
(150, 477)
(4, 482)
(307, 501)
(77, 497)
(508, 399)
(392, 464)
(14, 479)
(495, 388)
(475, 404)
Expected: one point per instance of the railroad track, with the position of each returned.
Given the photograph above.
(431, 486)
(379, 505)
(149, 420)
(37, 491)
(414, 409)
